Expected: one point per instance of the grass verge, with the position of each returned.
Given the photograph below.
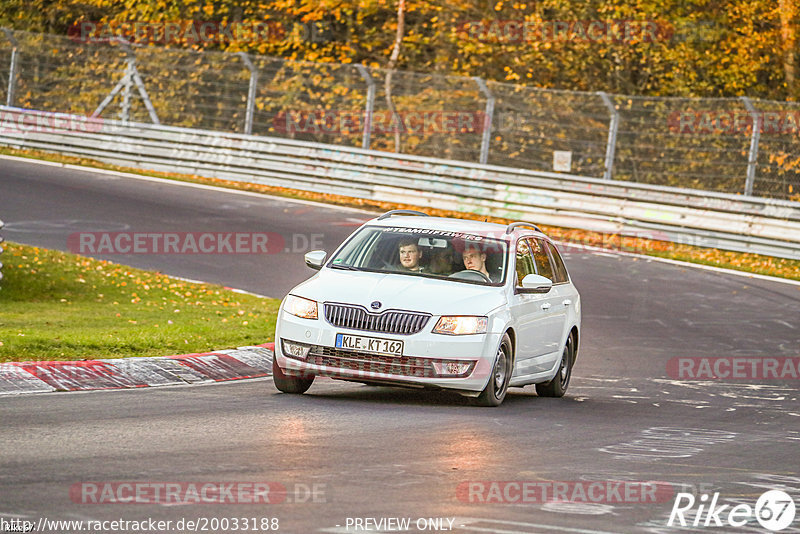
(752, 263)
(59, 306)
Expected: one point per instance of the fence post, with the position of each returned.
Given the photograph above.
(126, 94)
(752, 158)
(368, 106)
(251, 93)
(488, 117)
(12, 69)
(131, 76)
(611, 145)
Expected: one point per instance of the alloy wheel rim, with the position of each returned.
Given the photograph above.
(564, 370)
(500, 372)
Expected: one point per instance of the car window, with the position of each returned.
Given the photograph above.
(524, 261)
(559, 270)
(543, 266)
(426, 253)
(360, 251)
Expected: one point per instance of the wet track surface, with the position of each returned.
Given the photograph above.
(381, 452)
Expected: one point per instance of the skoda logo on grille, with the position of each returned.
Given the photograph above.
(376, 305)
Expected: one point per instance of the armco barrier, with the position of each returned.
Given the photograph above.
(730, 222)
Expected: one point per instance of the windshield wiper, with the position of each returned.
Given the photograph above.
(345, 267)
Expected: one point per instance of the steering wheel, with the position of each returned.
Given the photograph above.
(469, 274)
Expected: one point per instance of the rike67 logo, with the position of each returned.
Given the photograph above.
(774, 510)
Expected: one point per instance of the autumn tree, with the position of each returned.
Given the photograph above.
(700, 47)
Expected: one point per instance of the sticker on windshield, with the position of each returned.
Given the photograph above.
(458, 235)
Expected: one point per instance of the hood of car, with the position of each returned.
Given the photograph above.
(404, 292)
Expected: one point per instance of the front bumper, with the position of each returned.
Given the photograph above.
(424, 354)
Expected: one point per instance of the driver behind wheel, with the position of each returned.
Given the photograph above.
(474, 259)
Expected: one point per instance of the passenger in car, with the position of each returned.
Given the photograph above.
(410, 254)
(441, 261)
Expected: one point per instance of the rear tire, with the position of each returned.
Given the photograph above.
(290, 384)
(495, 391)
(559, 384)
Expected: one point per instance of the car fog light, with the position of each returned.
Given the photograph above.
(446, 368)
(294, 350)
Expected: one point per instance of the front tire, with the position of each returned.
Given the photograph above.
(559, 384)
(290, 384)
(495, 391)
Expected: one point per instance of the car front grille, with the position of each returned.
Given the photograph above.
(370, 363)
(388, 322)
(343, 363)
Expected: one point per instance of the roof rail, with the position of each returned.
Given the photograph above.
(401, 212)
(510, 227)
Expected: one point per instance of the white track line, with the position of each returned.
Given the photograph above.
(234, 289)
(600, 251)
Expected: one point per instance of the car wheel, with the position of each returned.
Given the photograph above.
(290, 384)
(559, 384)
(495, 391)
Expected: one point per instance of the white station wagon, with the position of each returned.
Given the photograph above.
(413, 300)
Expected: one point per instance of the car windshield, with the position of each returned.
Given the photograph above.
(456, 256)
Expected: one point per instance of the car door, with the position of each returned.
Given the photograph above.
(529, 316)
(565, 290)
(551, 305)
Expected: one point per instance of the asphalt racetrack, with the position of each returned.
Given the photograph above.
(345, 455)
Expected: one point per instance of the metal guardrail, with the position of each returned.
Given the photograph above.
(719, 220)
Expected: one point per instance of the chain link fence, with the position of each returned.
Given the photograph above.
(724, 145)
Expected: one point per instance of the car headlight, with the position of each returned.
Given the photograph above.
(458, 325)
(305, 308)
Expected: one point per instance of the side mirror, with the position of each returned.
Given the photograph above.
(533, 283)
(315, 259)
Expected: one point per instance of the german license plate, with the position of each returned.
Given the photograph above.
(369, 344)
